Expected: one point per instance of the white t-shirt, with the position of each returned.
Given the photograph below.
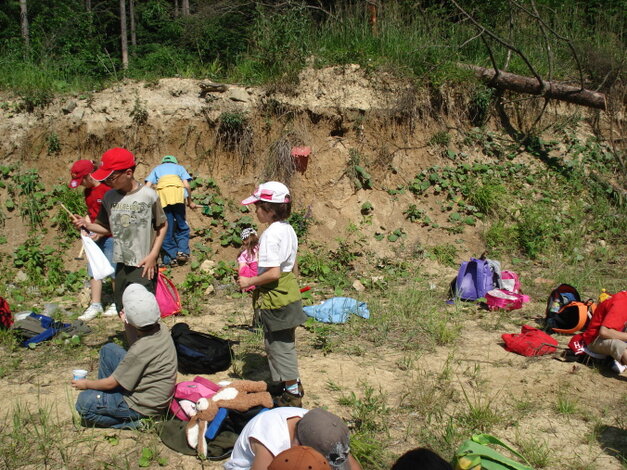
(269, 428)
(278, 245)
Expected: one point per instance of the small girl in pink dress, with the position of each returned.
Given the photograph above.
(248, 257)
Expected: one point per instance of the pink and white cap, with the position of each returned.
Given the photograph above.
(272, 191)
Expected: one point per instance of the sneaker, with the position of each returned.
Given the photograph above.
(618, 367)
(182, 258)
(111, 311)
(289, 399)
(91, 312)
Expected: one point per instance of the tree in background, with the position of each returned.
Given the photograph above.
(123, 34)
(24, 24)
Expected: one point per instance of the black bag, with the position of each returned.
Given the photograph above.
(200, 353)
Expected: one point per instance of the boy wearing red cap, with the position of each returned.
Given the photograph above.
(131, 212)
(94, 194)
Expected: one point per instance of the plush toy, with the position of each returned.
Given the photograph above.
(240, 395)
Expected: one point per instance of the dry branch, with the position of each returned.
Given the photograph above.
(552, 90)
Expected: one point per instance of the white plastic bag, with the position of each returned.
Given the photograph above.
(98, 262)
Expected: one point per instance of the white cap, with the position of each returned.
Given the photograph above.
(140, 306)
(272, 191)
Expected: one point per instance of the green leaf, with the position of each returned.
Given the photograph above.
(147, 453)
(144, 462)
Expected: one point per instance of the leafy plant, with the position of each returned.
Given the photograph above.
(54, 144)
(300, 222)
(357, 174)
(139, 113)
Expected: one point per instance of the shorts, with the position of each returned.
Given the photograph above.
(106, 245)
(610, 347)
(127, 275)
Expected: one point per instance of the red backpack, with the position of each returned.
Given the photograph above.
(6, 317)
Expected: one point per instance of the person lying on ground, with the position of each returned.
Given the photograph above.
(271, 432)
(131, 384)
(607, 331)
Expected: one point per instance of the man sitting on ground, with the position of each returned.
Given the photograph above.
(131, 384)
(607, 331)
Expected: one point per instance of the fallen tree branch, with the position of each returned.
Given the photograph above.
(558, 91)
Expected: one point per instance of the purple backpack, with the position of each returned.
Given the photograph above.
(474, 279)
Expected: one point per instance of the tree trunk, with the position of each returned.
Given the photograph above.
(123, 34)
(24, 23)
(552, 90)
(88, 5)
(185, 7)
(176, 8)
(131, 12)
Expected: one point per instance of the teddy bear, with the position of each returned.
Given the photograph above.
(240, 395)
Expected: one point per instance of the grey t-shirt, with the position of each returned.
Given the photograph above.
(132, 219)
(148, 373)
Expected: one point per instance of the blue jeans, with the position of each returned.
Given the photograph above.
(107, 409)
(106, 245)
(177, 235)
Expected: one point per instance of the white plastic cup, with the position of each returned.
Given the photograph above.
(79, 374)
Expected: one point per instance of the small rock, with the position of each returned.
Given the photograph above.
(238, 94)
(210, 290)
(68, 108)
(21, 276)
(208, 266)
(602, 243)
(358, 286)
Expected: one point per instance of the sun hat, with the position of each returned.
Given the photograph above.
(272, 191)
(299, 458)
(140, 306)
(79, 170)
(112, 160)
(328, 434)
(247, 232)
(169, 159)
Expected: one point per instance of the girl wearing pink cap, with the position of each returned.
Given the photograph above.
(277, 297)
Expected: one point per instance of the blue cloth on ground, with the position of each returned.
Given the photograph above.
(337, 310)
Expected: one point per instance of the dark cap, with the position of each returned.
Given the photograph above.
(328, 434)
(299, 458)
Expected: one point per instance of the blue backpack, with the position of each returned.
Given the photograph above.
(474, 279)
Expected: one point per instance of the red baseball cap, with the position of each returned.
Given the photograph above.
(112, 160)
(79, 170)
(299, 458)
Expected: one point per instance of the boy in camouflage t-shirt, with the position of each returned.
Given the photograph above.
(133, 214)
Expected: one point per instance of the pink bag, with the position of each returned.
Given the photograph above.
(510, 281)
(167, 296)
(501, 298)
(186, 394)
